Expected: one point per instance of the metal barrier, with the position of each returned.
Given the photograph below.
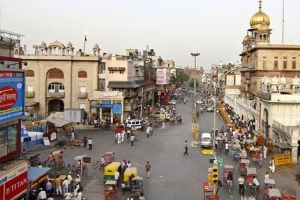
(282, 159)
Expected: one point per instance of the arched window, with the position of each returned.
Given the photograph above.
(55, 74)
(82, 74)
(29, 73)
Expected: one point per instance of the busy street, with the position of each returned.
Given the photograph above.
(173, 174)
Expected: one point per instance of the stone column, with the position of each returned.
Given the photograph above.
(294, 144)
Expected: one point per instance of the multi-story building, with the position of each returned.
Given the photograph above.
(269, 94)
(123, 90)
(57, 79)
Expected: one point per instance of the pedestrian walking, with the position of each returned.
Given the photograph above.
(241, 182)
(148, 167)
(116, 137)
(122, 136)
(272, 165)
(163, 125)
(119, 137)
(90, 143)
(132, 139)
(185, 148)
(148, 131)
(151, 129)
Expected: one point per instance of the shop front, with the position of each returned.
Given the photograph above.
(13, 179)
(37, 177)
(107, 105)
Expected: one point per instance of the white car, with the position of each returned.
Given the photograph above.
(172, 102)
(198, 101)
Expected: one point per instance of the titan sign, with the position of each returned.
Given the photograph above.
(14, 183)
(12, 91)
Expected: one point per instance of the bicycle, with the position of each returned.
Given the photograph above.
(96, 164)
(70, 167)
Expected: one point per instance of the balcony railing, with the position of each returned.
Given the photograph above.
(56, 94)
(29, 94)
(82, 95)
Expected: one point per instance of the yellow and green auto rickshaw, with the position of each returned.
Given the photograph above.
(128, 172)
(109, 171)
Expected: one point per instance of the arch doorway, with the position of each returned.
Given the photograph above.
(56, 105)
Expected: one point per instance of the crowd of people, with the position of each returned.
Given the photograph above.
(68, 188)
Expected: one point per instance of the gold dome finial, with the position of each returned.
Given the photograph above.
(258, 18)
(259, 4)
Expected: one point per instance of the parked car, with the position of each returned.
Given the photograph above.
(206, 140)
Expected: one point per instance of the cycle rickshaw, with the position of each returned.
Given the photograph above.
(226, 170)
(289, 193)
(110, 189)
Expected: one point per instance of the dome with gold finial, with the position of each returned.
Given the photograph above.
(258, 18)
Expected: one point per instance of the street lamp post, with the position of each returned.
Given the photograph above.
(194, 116)
(215, 85)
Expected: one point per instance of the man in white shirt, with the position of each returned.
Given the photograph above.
(148, 131)
(90, 143)
(117, 175)
(42, 195)
(66, 184)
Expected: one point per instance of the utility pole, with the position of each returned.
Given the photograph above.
(194, 115)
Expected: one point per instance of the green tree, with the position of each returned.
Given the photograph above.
(191, 83)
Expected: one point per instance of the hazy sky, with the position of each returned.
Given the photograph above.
(173, 28)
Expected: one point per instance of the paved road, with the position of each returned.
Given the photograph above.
(173, 175)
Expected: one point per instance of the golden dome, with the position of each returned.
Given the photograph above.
(258, 18)
(246, 38)
(263, 28)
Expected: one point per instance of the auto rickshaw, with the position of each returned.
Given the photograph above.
(289, 193)
(110, 189)
(137, 186)
(127, 174)
(109, 171)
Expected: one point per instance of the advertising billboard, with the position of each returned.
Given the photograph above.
(162, 76)
(14, 183)
(12, 83)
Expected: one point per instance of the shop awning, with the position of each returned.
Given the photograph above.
(30, 104)
(127, 84)
(58, 122)
(34, 173)
(123, 84)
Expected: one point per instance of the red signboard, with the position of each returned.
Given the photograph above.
(208, 186)
(16, 186)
